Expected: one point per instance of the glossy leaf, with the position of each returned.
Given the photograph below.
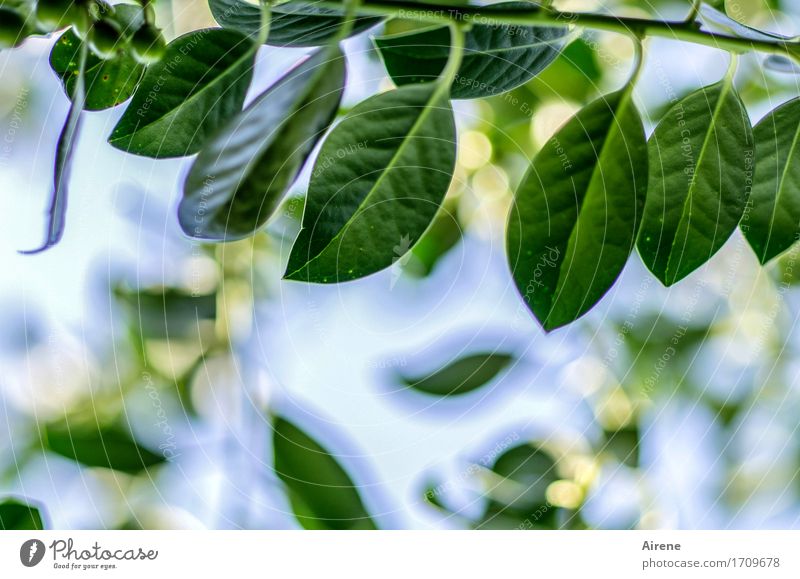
(293, 23)
(497, 58)
(577, 211)
(106, 446)
(245, 170)
(700, 155)
(462, 375)
(322, 494)
(109, 82)
(193, 91)
(16, 515)
(772, 223)
(378, 181)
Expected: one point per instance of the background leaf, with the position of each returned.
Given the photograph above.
(322, 494)
(460, 376)
(772, 223)
(16, 515)
(243, 173)
(198, 85)
(518, 499)
(293, 23)
(106, 446)
(378, 181)
(700, 154)
(496, 58)
(164, 313)
(577, 211)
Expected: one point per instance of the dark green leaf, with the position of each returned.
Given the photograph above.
(194, 90)
(378, 181)
(519, 500)
(497, 58)
(700, 156)
(623, 444)
(108, 82)
(18, 516)
(244, 171)
(322, 494)
(163, 313)
(772, 222)
(293, 23)
(65, 149)
(443, 235)
(576, 214)
(461, 376)
(106, 446)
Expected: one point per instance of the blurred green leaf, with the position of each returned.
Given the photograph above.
(574, 75)
(518, 499)
(16, 515)
(461, 376)
(321, 493)
(623, 444)
(104, 446)
(162, 313)
(443, 235)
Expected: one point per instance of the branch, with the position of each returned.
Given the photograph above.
(685, 30)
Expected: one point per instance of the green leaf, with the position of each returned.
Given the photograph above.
(377, 183)
(497, 58)
(242, 174)
(772, 222)
(293, 23)
(105, 446)
(461, 376)
(577, 211)
(443, 235)
(193, 91)
(518, 498)
(322, 494)
(700, 156)
(16, 515)
(167, 313)
(623, 444)
(65, 150)
(108, 82)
